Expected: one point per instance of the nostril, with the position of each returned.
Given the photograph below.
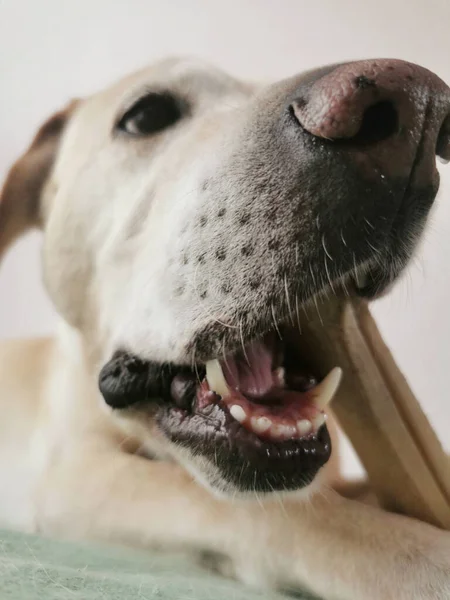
(360, 122)
(443, 142)
(379, 122)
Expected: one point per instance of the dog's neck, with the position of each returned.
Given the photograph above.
(73, 391)
(82, 409)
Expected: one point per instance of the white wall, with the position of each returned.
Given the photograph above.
(51, 50)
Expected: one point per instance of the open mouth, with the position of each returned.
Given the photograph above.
(258, 415)
(252, 420)
(266, 388)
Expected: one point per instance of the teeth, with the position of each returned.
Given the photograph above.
(238, 413)
(282, 431)
(216, 379)
(318, 421)
(304, 427)
(260, 424)
(280, 374)
(327, 388)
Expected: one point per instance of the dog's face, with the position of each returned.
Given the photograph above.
(189, 217)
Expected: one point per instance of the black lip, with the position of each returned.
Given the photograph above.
(126, 380)
(244, 461)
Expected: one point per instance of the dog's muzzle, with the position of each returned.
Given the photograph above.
(335, 182)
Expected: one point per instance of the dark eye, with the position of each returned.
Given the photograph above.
(151, 114)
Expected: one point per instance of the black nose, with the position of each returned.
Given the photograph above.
(388, 108)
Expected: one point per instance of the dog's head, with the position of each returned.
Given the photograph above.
(189, 218)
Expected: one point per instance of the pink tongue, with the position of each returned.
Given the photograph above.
(251, 374)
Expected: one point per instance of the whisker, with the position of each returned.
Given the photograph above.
(275, 322)
(344, 286)
(317, 223)
(197, 374)
(291, 317)
(354, 266)
(193, 361)
(258, 499)
(312, 275)
(328, 275)
(376, 250)
(317, 309)
(369, 224)
(241, 333)
(224, 353)
(325, 248)
(298, 314)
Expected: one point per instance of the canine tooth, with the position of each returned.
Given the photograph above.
(260, 424)
(238, 413)
(216, 379)
(327, 388)
(318, 421)
(304, 426)
(280, 374)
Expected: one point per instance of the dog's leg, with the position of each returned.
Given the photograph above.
(335, 547)
(349, 550)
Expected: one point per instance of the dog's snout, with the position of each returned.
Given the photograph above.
(368, 102)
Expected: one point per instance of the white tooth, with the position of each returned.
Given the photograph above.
(304, 426)
(279, 374)
(238, 413)
(282, 431)
(318, 421)
(327, 388)
(216, 379)
(260, 424)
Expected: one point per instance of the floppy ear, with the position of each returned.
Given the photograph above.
(20, 196)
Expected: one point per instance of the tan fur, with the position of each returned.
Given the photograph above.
(20, 196)
(69, 468)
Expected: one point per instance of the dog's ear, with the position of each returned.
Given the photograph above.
(20, 196)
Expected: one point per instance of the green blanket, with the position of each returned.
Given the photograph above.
(32, 568)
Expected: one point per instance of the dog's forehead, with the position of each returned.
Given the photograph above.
(188, 69)
(193, 78)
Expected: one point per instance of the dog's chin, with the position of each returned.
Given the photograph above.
(230, 460)
(232, 457)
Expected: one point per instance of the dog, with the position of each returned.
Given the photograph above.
(189, 218)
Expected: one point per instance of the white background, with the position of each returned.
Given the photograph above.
(52, 50)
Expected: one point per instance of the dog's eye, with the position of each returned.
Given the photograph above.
(151, 114)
